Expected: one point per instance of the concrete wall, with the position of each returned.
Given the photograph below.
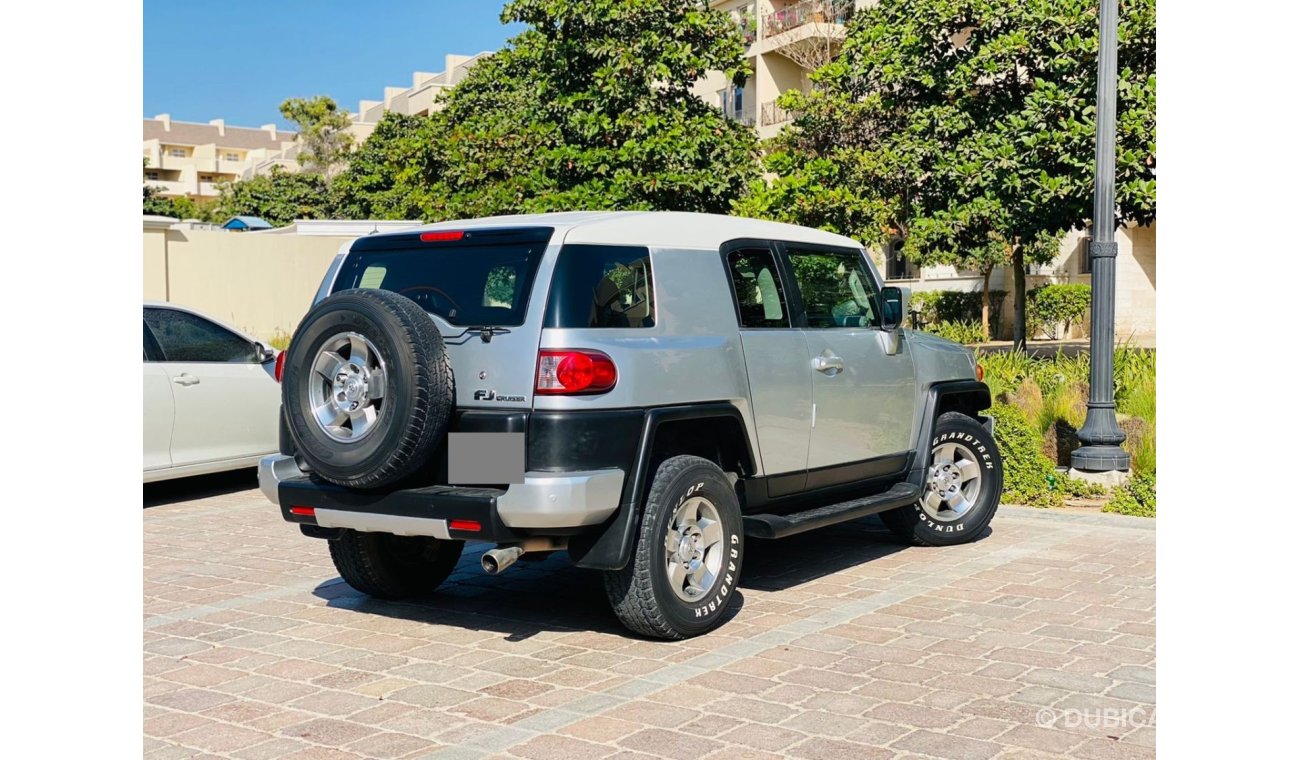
(260, 283)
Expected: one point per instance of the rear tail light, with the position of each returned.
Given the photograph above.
(571, 372)
(279, 365)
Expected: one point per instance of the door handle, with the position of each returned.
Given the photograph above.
(185, 378)
(827, 363)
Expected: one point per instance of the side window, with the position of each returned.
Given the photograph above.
(152, 353)
(836, 287)
(757, 287)
(601, 286)
(185, 337)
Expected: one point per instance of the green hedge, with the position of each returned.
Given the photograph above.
(957, 307)
(1028, 477)
(1136, 497)
(1048, 306)
(966, 333)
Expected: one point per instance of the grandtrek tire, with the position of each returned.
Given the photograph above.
(962, 489)
(367, 389)
(393, 567)
(686, 591)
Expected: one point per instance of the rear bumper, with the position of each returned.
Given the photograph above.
(544, 501)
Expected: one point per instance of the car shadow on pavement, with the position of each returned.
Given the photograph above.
(550, 594)
(198, 487)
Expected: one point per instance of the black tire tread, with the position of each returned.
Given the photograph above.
(363, 561)
(433, 385)
(902, 521)
(630, 590)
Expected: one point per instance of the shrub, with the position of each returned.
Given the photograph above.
(1028, 477)
(958, 306)
(1136, 497)
(1004, 370)
(966, 333)
(280, 341)
(1048, 306)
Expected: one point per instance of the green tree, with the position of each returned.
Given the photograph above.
(967, 127)
(323, 136)
(279, 197)
(591, 108)
(386, 177)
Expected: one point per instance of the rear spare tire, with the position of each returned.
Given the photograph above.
(367, 388)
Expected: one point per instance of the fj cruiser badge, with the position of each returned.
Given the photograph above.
(482, 395)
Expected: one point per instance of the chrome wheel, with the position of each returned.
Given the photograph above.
(694, 548)
(953, 483)
(347, 387)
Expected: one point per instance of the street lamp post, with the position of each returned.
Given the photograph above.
(1101, 435)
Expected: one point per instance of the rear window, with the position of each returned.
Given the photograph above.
(481, 280)
(601, 286)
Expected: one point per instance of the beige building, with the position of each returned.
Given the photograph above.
(787, 40)
(189, 159)
(416, 100)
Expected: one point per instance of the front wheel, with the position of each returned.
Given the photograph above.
(686, 563)
(962, 487)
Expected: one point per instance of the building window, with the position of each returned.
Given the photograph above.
(897, 267)
(1085, 255)
(151, 175)
(176, 152)
(233, 157)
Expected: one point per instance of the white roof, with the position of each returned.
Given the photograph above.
(657, 229)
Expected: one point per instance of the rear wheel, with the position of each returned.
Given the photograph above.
(686, 563)
(393, 567)
(962, 488)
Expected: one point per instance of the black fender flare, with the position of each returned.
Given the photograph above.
(610, 547)
(967, 396)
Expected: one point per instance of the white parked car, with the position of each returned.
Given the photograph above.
(211, 400)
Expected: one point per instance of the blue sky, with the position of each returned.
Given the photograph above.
(238, 59)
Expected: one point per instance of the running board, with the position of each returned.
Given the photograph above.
(780, 526)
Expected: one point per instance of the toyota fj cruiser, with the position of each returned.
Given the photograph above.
(646, 390)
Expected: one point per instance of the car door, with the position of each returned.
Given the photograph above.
(159, 409)
(775, 361)
(863, 396)
(226, 398)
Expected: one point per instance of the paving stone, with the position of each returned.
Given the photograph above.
(253, 648)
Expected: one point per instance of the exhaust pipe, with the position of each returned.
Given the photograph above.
(495, 561)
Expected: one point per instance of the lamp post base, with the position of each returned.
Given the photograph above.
(1099, 458)
(1107, 478)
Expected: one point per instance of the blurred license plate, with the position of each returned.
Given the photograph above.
(477, 459)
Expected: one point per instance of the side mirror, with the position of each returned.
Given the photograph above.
(893, 302)
(264, 353)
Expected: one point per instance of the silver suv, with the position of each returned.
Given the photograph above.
(646, 390)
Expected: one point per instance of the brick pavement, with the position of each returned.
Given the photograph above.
(844, 645)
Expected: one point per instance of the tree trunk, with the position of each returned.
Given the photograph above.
(984, 311)
(1018, 336)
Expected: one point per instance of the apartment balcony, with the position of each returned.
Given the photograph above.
(771, 114)
(171, 188)
(806, 32)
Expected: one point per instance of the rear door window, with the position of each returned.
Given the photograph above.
(756, 284)
(602, 286)
(481, 279)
